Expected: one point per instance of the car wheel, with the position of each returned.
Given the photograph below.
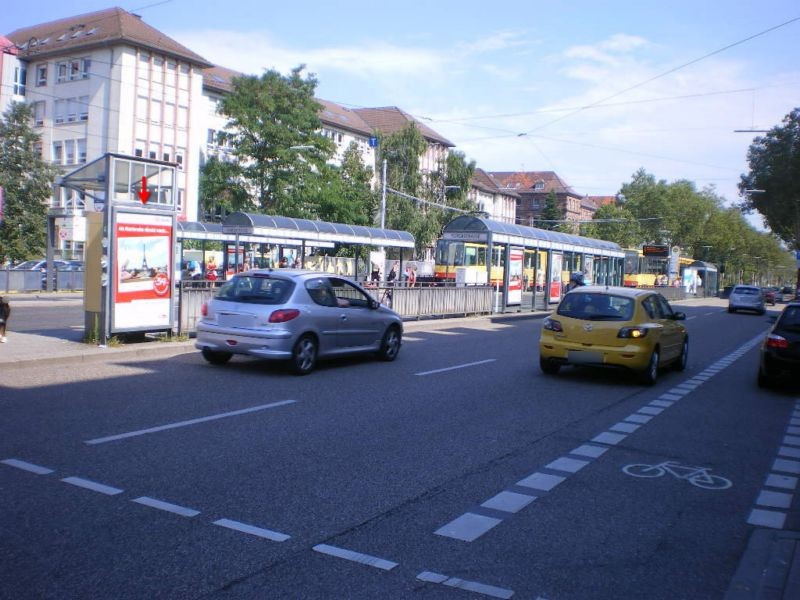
(304, 355)
(548, 366)
(680, 364)
(731, 309)
(390, 345)
(650, 375)
(216, 357)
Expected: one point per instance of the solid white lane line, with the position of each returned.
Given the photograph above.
(462, 584)
(364, 559)
(464, 366)
(26, 466)
(244, 411)
(252, 530)
(166, 506)
(93, 485)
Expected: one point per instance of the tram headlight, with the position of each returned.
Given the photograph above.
(552, 325)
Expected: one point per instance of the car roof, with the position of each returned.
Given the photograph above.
(610, 289)
(747, 287)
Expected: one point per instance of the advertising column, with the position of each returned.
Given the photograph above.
(515, 257)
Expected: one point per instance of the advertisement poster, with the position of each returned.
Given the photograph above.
(515, 257)
(556, 262)
(142, 271)
(588, 269)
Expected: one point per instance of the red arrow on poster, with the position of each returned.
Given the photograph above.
(144, 193)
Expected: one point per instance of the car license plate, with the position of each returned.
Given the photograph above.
(582, 357)
(235, 320)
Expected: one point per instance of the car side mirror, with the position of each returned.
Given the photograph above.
(679, 316)
(374, 304)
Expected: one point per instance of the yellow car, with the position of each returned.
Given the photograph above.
(614, 327)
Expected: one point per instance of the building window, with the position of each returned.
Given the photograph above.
(81, 144)
(72, 70)
(41, 75)
(539, 186)
(152, 154)
(38, 113)
(179, 160)
(20, 79)
(70, 147)
(83, 108)
(138, 152)
(58, 153)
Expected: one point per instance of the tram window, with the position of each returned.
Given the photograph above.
(470, 256)
(481, 259)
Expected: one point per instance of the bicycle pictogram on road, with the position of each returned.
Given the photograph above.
(698, 476)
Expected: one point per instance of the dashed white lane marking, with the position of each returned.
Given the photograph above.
(462, 584)
(690, 318)
(453, 368)
(772, 501)
(408, 338)
(444, 332)
(364, 559)
(166, 506)
(92, 485)
(26, 466)
(268, 534)
(468, 527)
(510, 502)
(244, 411)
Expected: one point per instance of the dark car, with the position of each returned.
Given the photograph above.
(780, 352)
(726, 292)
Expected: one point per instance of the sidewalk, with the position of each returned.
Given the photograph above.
(769, 568)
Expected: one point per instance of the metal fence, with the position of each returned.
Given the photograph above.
(35, 280)
(412, 303)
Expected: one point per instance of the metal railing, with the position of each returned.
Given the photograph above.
(35, 280)
(408, 302)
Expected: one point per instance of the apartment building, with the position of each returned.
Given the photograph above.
(533, 188)
(108, 82)
(500, 204)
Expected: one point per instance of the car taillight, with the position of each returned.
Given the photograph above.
(776, 341)
(283, 315)
(204, 309)
(552, 325)
(632, 332)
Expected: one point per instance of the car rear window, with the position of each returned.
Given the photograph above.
(747, 291)
(596, 307)
(790, 319)
(256, 290)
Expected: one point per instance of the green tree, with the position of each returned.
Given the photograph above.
(550, 213)
(27, 184)
(615, 224)
(345, 194)
(774, 178)
(222, 190)
(273, 126)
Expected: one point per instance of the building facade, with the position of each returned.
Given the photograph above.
(499, 204)
(533, 187)
(108, 82)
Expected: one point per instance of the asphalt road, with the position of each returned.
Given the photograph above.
(460, 470)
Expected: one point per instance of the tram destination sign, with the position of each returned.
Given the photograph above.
(467, 236)
(657, 250)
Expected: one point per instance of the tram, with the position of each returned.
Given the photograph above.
(520, 260)
(645, 269)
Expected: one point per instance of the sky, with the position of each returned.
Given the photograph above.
(591, 90)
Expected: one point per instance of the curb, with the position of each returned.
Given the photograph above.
(769, 567)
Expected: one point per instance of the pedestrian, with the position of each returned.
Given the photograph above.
(411, 276)
(575, 280)
(5, 312)
(390, 278)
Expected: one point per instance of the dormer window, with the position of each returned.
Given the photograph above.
(538, 186)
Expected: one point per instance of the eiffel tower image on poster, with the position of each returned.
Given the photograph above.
(144, 259)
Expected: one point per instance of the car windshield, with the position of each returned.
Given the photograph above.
(28, 264)
(256, 289)
(596, 307)
(747, 291)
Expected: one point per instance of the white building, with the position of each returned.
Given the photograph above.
(108, 82)
(500, 204)
(13, 75)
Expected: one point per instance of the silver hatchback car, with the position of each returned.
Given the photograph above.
(296, 316)
(746, 297)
